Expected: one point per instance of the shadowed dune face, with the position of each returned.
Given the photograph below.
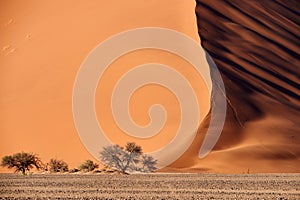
(256, 46)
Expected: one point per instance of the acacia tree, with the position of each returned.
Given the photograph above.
(148, 164)
(127, 159)
(22, 162)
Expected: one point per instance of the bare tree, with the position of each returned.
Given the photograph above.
(128, 159)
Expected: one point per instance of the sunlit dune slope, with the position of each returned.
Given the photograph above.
(42, 46)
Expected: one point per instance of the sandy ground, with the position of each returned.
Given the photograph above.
(150, 186)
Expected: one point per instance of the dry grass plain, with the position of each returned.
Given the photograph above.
(150, 186)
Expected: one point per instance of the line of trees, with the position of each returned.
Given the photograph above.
(126, 160)
(23, 162)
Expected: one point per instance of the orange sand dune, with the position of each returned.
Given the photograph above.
(256, 47)
(43, 44)
(253, 43)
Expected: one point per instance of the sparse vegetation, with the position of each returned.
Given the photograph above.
(22, 162)
(116, 159)
(128, 159)
(148, 164)
(74, 170)
(55, 165)
(88, 166)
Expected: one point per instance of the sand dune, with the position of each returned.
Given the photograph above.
(42, 46)
(256, 47)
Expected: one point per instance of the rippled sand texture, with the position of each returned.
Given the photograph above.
(153, 186)
(256, 46)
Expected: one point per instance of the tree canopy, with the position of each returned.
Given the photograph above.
(22, 162)
(128, 159)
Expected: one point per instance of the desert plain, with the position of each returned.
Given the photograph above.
(150, 186)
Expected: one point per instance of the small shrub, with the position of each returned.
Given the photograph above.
(88, 166)
(98, 171)
(74, 170)
(55, 165)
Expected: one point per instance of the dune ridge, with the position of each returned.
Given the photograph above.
(256, 47)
